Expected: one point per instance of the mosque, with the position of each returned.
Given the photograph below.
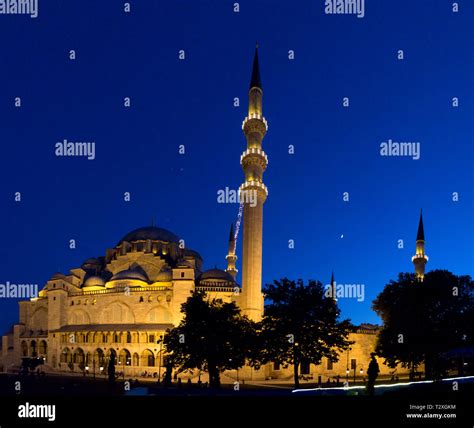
(123, 302)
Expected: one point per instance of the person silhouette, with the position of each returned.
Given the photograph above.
(372, 373)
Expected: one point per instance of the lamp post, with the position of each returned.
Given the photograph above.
(347, 367)
(159, 357)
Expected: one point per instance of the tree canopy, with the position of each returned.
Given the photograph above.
(212, 336)
(424, 320)
(301, 325)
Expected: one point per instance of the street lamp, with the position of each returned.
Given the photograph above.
(159, 357)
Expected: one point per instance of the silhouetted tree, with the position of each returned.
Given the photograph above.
(301, 325)
(423, 320)
(212, 336)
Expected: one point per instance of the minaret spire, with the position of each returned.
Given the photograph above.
(255, 81)
(421, 232)
(253, 194)
(420, 258)
(231, 257)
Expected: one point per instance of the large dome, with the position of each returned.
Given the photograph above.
(151, 232)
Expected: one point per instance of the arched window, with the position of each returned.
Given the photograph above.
(129, 337)
(24, 349)
(136, 359)
(125, 358)
(78, 356)
(148, 358)
(99, 357)
(42, 347)
(66, 356)
(34, 353)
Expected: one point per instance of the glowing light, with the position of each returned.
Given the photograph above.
(237, 225)
(391, 385)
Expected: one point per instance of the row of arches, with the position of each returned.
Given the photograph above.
(110, 337)
(98, 357)
(34, 348)
(120, 313)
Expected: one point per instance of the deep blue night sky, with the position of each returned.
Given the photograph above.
(190, 102)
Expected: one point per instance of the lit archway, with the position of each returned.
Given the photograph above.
(147, 358)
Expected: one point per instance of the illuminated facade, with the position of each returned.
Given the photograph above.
(123, 302)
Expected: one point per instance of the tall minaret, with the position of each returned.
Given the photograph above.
(231, 257)
(420, 258)
(333, 288)
(253, 194)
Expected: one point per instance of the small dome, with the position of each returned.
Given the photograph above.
(91, 264)
(94, 281)
(192, 253)
(216, 275)
(151, 232)
(57, 275)
(165, 276)
(130, 274)
(184, 264)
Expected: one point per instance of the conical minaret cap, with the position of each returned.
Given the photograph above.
(420, 236)
(255, 81)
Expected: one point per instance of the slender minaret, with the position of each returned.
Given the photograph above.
(420, 258)
(253, 194)
(231, 257)
(333, 288)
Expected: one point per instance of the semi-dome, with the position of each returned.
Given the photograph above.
(94, 281)
(216, 275)
(129, 274)
(151, 232)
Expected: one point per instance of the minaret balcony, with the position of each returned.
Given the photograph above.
(254, 117)
(419, 256)
(254, 152)
(250, 185)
